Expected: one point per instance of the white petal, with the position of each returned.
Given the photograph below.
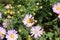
(30, 16)
(36, 36)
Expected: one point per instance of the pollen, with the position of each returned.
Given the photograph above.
(12, 36)
(58, 8)
(36, 31)
(1, 33)
(28, 20)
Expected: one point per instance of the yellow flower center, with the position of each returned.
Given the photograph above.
(1, 34)
(58, 8)
(36, 31)
(12, 36)
(29, 20)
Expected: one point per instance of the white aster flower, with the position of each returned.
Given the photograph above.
(36, 31)
(4, 24)
(8, 6)
(12, 35)
(56, 8)
(2, 32)
(28, 20)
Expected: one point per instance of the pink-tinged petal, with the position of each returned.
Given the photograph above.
(11, 31)
(30, 16)
(29, 24)
(16, 35)
(38, 27)
(27, 16)
(8, 6)
(41, 32)
(4, 24)
(32, 29)
(35, 36)
(32, 34)
(24, 22)
(58, 4)
(7, 36)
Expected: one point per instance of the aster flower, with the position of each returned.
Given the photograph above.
(4, 24)
(2, 32)
(28, 20)
(36, 31)
(8, 6)
(56, 8)
(12, 35)
(0, 15)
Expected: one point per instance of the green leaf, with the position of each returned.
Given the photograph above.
(49, 35)
(57, 38)
(19, 37)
